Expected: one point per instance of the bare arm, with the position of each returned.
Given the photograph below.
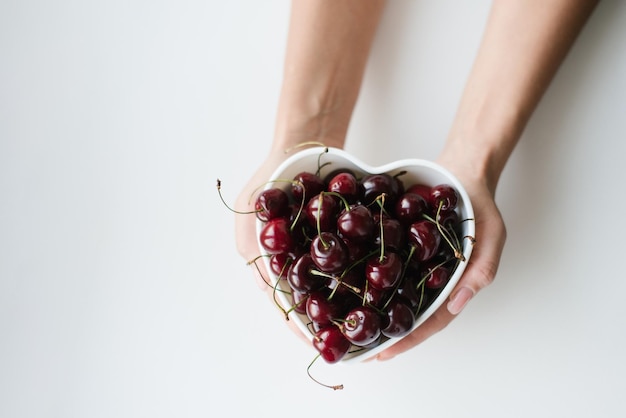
(328, 46)
(523, 45)
(327, 49)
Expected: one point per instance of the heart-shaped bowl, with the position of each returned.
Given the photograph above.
(413, 171)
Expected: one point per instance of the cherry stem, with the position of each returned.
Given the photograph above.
(308, 371)
(318, 222)
(274, 287)
(395, 289)
(319, 162)
(446, 234)
(381, 201)
(339, 281)
(219, 192)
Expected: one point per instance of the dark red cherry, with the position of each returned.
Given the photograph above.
(348, 286)
(275, 237)
(346, 184)
(362, 326)
(306, 185)
(436, 276)
(271, 203)
(375, 297)
(399, 319)
(420, 189)
(374, 185)
(393, 234)
(279, 263)
(443, 196)
(299, 301)
(299, 275)
(383, 273)
(409, 292)
(331, 344)
(322, 211)
(329, 253)
(410, 207)
(356, 223)
(425, 237)
(323, 311)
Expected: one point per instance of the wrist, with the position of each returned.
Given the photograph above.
(480, 160)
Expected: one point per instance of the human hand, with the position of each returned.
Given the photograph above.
(482, 265)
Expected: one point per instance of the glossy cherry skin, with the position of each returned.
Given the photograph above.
(443, 196)
(321, 310)
(362, 326)
(425, 237)
(399, 319)
(299, 301)
(279, 263)
(306, 185)
(271, 203)
(374, 185)
(410, 207)
(331, 344)
(356, 223)
(329, 253)
(436, 276)
(299, 275)
(393, 234)
(420, 189)
(275, 236)
(383, 273)
(346, 184)
(322, 211)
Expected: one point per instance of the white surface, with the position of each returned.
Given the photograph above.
(117, 260)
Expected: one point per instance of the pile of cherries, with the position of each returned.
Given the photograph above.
(362, 254)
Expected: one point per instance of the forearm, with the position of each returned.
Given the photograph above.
(523, 45)
(328, 45)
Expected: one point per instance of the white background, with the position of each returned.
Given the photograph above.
(121, 291)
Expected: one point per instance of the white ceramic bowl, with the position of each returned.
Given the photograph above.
(417, 171)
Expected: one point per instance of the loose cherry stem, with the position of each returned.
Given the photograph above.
(274, 287)
(219, 192)
(308, 371)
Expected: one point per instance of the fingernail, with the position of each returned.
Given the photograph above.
(384, 357)
(459, 300)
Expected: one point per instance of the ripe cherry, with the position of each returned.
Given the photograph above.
(425, 237)
(321, 212)
(393, 234)
(275, 237)
(410, 207)
(329, 253)
(331, 343)
(299, 275)
(321, 310)
(306, 185)
(437, 275)
(384, 272)
(271, 203)
(356, 223)
(443, 196)
(399, 319)
(375, 185)
(362, 326)
(346, 184)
